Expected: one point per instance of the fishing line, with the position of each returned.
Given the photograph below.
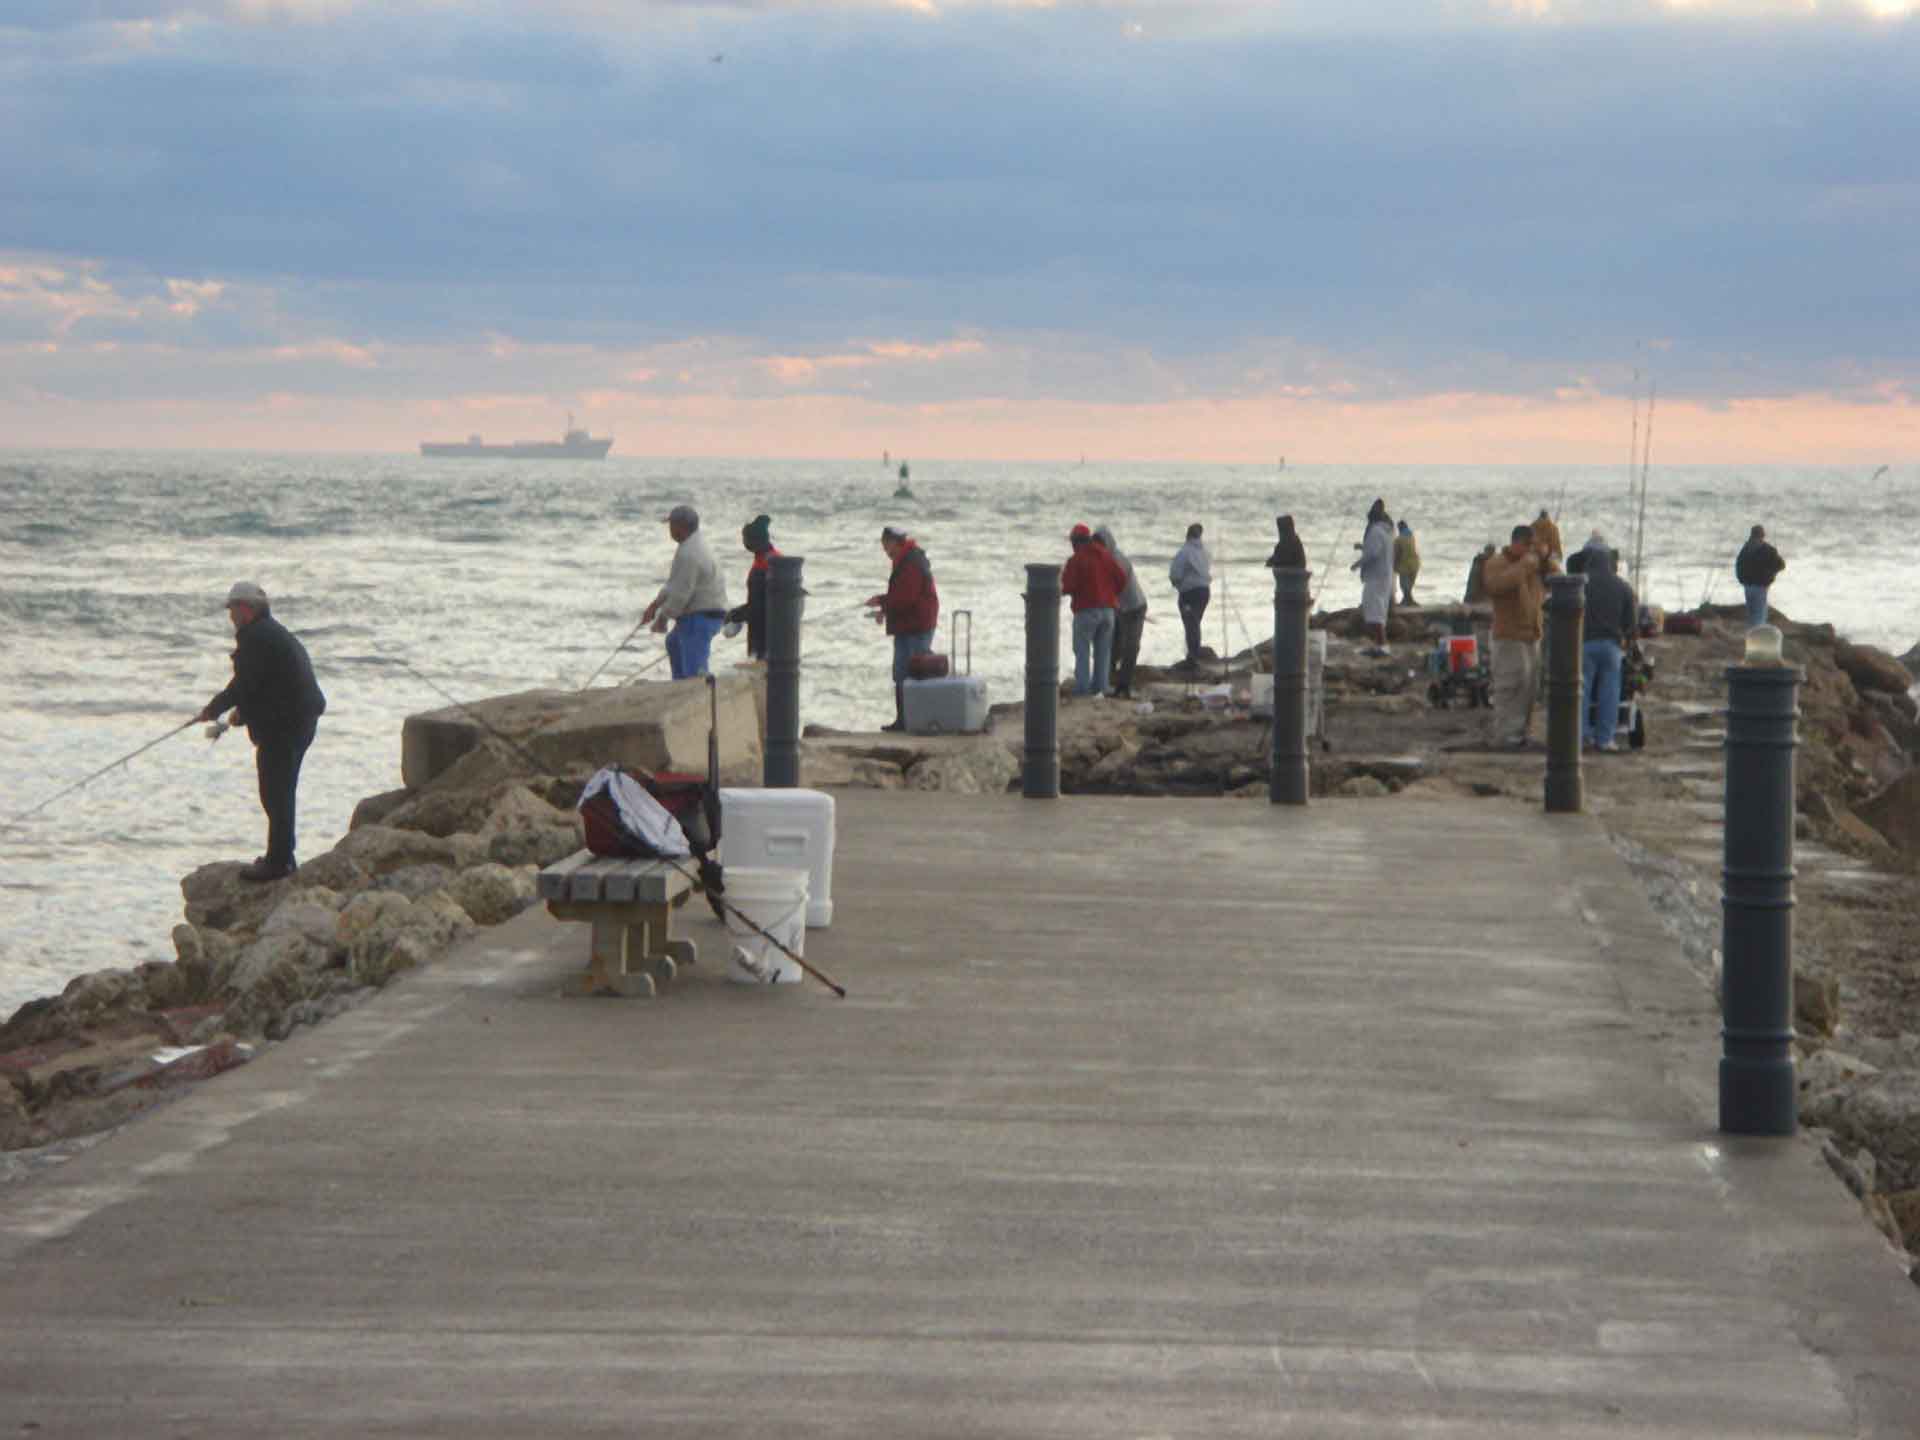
(88, 780)
(717, 897)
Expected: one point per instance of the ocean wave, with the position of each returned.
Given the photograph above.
(474, 537)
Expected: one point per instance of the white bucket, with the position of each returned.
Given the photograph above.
(776, 901)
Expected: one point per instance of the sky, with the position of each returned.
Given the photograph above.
(1339, 231)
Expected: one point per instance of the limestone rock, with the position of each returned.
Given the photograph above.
(273, 973)
(1884, 1114)
(1895, 812)
(540, 847)
(381, 849)
(1364, 787)
(375, 809)
(1115, 764)
(312, 914)
(17, 1129)
(985, 768)
(492, 893)
(1826, 1078)
(262, 960)
(469, 849)
(218, 899)
(164, 984)
(416, 881)
(1904, 1206)
(1871, 668)
(1816, 1003)
(204, 957)
(384, 932)
(518, 808)
(333, 871)
(655, 726)
(376, 965)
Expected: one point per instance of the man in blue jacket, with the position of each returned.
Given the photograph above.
(273, 694)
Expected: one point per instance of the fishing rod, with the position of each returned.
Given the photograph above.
(717, 897)
(624, 642)
(88, 780)
(653, 664)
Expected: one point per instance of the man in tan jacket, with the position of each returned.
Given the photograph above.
(1515, 581)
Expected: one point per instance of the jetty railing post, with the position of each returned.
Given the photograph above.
(1287, 775)
(1041, 770)
(1566, 630)
(1756, 895)
(785, 602)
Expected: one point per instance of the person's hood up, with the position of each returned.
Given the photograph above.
(1104, 535)
(1599, 561)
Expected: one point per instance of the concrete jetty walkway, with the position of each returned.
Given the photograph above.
(1144, 1118)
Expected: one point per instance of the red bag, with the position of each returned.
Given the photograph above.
(927, 667)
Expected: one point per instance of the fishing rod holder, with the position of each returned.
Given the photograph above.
(1757, 1090)
(786, 603)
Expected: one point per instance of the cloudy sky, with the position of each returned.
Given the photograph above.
(1336, 230)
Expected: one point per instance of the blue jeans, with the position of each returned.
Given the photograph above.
(689, 642)
(1092, 632)
(1756, 605)
(1600, 683)
(907, 646)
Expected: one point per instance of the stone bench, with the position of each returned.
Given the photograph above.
(630, 904)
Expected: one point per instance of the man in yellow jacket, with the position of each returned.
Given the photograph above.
(1516, 583)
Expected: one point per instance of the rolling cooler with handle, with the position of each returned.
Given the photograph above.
(949, 704)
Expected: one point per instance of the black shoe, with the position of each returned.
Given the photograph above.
(261, 871)
(894, 728)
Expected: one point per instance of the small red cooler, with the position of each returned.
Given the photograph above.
(1461, 653)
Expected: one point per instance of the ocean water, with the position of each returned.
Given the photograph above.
(495, 576)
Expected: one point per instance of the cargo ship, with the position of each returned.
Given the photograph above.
(576, 444)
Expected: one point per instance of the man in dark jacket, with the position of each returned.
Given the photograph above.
(274, 695)
(1611, 612)
(1756, 568)
(756, 535)
(909, 607)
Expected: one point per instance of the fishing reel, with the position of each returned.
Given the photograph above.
(217, 729)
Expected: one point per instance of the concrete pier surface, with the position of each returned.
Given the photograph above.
(1143, 1118)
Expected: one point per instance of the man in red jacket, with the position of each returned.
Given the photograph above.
(909, 607)
(1094, 580)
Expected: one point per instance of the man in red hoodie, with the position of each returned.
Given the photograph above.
(909, 607)
(1094, 581)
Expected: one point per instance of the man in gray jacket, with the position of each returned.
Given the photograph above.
(1130, 623)
(694, 597)
(1192, 577)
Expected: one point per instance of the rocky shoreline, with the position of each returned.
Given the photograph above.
(489, 797)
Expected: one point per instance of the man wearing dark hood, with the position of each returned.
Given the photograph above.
(756, 536)
(275, 696)
(1610, 615)
(1289, 552)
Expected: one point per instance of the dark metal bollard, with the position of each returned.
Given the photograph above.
(1287, 777)
(1041, 772)
(785, 601)
(1756, 896)
(1566, 631)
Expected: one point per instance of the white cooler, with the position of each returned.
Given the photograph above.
(782, 830)
(951, 705)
